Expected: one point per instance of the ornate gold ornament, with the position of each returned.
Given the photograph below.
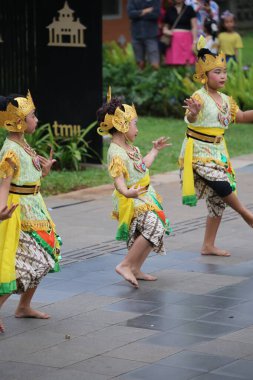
(120, 119)
(207, 62)
(13, 119)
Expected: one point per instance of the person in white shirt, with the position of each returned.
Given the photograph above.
(204, 9)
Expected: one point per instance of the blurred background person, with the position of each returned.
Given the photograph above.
(211, 33)
(144, 15)
(204, 9)
(229, 40)
(181, 24)
(164, 6)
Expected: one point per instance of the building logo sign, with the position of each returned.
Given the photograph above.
(66, 31)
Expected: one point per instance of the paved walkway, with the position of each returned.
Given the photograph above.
(194, 322)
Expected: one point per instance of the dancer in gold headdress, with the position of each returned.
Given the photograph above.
(137, 207)
(29, 246)
(205, 164)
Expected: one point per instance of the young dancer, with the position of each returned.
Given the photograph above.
(29, 247)
(204, 159)
(211, 31)
(137, 206)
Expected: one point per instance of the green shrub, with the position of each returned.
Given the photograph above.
(70, 152)
(162, 92)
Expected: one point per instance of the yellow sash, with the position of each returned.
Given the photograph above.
(9, 239)
(188, 191)
(126, 210)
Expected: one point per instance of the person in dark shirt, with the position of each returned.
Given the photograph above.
(144, 16)
(181, 24)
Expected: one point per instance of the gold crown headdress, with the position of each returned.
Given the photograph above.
(13, 119)
(207, 62)
(120, 119)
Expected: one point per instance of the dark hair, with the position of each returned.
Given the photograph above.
(203, 52)
(5, 100)
(210, 26)
(110, 109)
(223, 17)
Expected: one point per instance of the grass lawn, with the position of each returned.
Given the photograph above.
(239, 141)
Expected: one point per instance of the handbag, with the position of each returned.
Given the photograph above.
(166, 39)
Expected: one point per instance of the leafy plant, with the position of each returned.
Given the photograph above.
(42, 139)
(114, 54)
(239, 84)
(70, 152)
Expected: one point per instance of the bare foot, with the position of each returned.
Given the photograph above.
(30, 313)
(127, 274)
(213, 251)
(144, 276)
(1, 327)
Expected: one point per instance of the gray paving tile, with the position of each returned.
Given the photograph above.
(133, 306)
(50, 296)
(242, 269)
(229, 317)
(212, 376)
(210, 301)
(160, 296)
(143, 352)
(182, 311)
(73, 327)
(244, 307)
(204, 329)
(29, 342)
(105, 316)
(121, 290)
(67, 374)
(195, 266)
(77, 304)
(224, 347)
(11, 370)
(162, 373)
(106, 365)
(241, 291)
(153, 322)
(196, 361)
(78, 349)
(15, 326)
(243, 335)
(242, 369)
(176, 340)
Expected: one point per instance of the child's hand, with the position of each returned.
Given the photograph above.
(161, 143)
(46, 163)
(6, 212)
(193, 106)
(135, 191)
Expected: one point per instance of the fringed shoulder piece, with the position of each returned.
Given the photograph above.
(117, 167)
(10, 165)
(233, 108)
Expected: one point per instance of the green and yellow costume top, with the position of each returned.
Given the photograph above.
(204, 141)
(30, 216)
(135, 173)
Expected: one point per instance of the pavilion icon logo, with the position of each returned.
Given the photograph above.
(66, 31)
